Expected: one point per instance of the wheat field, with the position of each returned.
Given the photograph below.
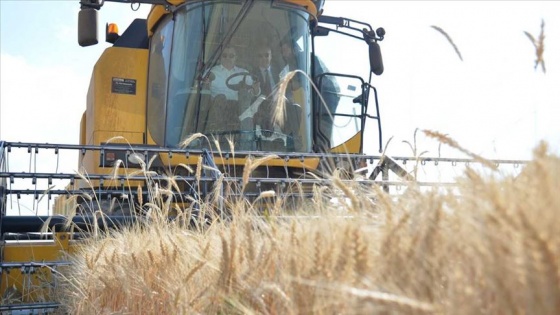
(491, 247)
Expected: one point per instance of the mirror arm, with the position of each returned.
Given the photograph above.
(368, 32)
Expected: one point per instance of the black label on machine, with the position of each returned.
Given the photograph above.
(123, 86)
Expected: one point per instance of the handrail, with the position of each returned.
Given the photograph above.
(283, 155)
(2, 154)
(2, 182)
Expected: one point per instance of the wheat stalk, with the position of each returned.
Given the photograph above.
(252, 164)
(452, 143)
(440, 30)
(539, 47)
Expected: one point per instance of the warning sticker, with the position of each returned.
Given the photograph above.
(123, 86)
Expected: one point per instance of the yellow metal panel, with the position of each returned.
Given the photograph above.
(83, 129)
(309, 163)
(155, 15)
(350, 146)
(307, 4)
(149, 139)
(175, 159)
(114, 114)
(32, 286)
(176, 2)
(157, 12)
(110, 111)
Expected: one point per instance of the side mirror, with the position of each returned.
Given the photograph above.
(375, 59)
(87, 27)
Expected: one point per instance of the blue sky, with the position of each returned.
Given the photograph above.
(494, 102)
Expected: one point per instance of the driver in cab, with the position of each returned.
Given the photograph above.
(220, 73)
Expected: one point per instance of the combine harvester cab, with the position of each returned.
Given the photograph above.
(163, 94)
(154, 101)
(156, 109)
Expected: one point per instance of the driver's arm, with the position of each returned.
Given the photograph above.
(255, 88)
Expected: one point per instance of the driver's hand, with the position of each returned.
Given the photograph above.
(211, 76)
(207, 81)
(206, 84)
(256, 88)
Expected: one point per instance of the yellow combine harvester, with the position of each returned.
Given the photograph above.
(194, 70)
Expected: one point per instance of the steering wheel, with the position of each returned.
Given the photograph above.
(243, 83)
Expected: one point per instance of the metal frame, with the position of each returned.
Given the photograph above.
(380, 164)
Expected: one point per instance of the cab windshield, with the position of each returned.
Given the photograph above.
(226, 68)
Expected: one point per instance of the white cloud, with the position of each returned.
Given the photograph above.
(40, 103)
(493, 103)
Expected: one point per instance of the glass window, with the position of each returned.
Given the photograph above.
(341, 114)
(158, 72)
(227, 74)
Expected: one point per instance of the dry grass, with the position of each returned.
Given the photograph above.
(538, 43)
(440, 30)
(492, 249)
